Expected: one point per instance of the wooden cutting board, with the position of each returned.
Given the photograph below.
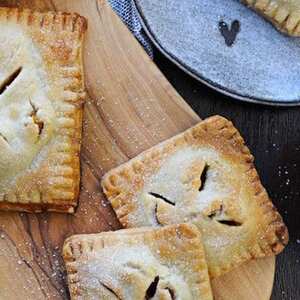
(130, 107)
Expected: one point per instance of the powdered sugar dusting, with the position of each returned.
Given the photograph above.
(126, 272)
(170, 182)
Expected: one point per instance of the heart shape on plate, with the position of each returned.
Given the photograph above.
(229, 34)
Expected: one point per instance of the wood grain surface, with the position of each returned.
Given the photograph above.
(130, 107)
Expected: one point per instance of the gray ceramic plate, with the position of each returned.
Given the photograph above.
(262, 65)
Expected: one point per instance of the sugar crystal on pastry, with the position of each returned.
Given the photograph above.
(146, 263)
(204, 176)
(41, 97)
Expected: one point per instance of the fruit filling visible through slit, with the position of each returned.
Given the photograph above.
(9, 80)
(153, 289)
(110, 290)
(164, 206)
(206, 177)
(4, 137)
(203, 177)
(35, 118)
(162, 198)
(220, 216)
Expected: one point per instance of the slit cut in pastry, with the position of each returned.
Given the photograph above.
(204, 176)
(284, 14)
(41, 97)
(145, 263)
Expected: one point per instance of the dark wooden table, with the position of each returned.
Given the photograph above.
(273, 135)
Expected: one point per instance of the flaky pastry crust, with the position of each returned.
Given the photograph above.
(144, 263)
(284, 14)
(41, 98)
(205, 176)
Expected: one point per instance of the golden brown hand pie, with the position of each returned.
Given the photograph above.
(284, 14)
(41, 96)
(138, 264)
(205, 176)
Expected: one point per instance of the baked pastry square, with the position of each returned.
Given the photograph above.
(41, 97)
(284, 14)
(204, 176)
(145, 263)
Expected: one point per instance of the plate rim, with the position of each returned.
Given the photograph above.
(205, 81)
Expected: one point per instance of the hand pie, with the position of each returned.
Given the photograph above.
(284, 14)
(138, 264)
(41, 96)
(205, 176)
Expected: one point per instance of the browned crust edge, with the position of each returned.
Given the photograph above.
(76, 247)
(287, 25)
(33, 207)
(53, 23)
(276, 234)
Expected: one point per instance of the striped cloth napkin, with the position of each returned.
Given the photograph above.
(127, 11)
